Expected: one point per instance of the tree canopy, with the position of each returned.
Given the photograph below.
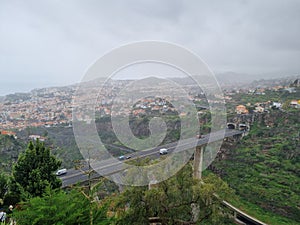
(174, 201)
(61, 208)
(3, 186)
(35, 168)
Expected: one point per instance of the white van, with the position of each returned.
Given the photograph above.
(163, 151)
(61, 172)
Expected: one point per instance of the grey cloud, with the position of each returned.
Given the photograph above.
(55, 41)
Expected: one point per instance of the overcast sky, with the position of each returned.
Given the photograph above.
(52, 42)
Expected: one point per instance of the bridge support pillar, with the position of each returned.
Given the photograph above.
(198, 162)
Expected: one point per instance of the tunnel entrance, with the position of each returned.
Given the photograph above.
(231, 126)
(243, 127)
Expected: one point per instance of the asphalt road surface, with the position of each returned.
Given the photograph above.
(111, 166)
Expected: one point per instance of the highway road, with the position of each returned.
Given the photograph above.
(76, 176)
(110, 166)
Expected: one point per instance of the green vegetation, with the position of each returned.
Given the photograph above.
(270, 95)
(250, 99)
(35, 170)
(174, 201)
(261, 214)
(59, 207)
(264, 167)
(9, 150)
(59, 139)
(140, 128)
(33, 188)
(3, 187)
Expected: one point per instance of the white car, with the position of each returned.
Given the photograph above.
(61, 172)
(163, 151)
(123, 157)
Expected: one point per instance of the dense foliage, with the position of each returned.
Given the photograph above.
(35, 170)
(3, 186)
(59, 207)
(178, 200)
(9, 151)
(174, 201)
(264, 168)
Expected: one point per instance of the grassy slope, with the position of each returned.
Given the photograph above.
(264, 168)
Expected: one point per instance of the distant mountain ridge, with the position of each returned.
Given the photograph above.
(227, 79)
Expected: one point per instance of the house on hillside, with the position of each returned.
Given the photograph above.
(8, 133)
(291, 90)
(295, 104)
(259, 109)
(241, 109)
(36, 137)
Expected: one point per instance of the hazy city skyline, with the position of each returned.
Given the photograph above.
(52, 43)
